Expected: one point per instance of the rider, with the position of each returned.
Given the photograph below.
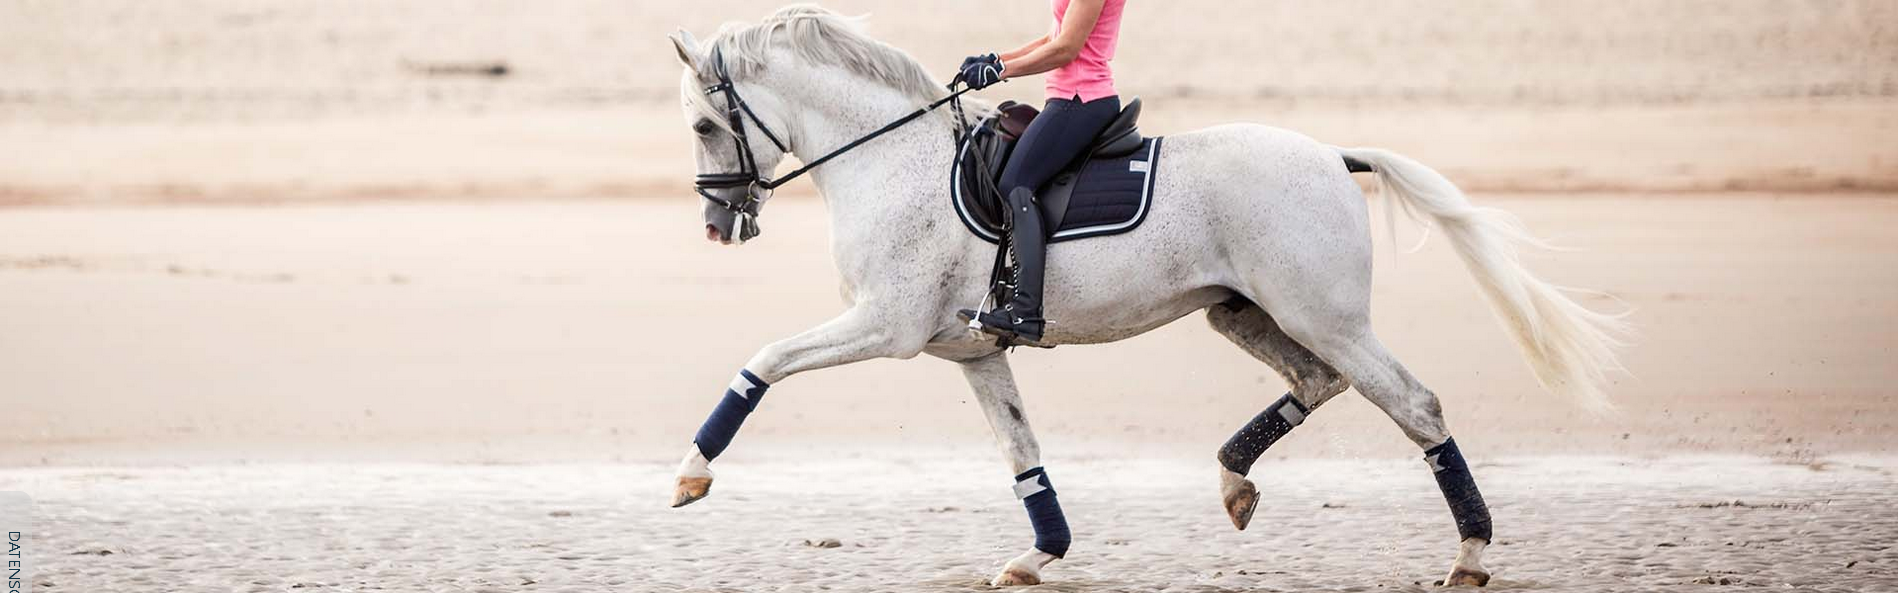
(1081, 102)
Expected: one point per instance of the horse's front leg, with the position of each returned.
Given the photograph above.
(994, 386)
(854, 336)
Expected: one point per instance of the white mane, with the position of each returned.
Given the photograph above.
(817, 36)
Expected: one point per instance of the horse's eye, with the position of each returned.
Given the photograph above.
(705, 127)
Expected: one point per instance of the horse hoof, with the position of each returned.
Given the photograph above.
(690, 490)
(1466, 577)
(1241, 499)
(1015, 577)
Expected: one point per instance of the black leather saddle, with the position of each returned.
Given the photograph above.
(1107, 190)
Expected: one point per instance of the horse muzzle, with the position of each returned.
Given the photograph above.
(731, 213)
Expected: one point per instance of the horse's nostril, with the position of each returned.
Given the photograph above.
(711, 232)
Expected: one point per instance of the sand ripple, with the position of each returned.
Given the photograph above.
(1584, 524)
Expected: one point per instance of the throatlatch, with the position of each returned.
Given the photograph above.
(1252, 440)
(1044, 512)
(1459, 489)
(740, 399)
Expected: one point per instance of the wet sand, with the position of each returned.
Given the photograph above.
(915, 522)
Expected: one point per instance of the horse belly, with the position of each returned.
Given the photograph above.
(1111, 288)
(1098, 321)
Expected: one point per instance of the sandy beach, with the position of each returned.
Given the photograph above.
(916, 522)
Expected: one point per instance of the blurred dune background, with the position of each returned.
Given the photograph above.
(214, 101)
(463, 230)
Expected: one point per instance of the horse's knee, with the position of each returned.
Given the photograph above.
(1420, 416)
(1317, 383)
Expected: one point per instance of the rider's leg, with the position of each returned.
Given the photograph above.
(1030, 241)
(1055, 138)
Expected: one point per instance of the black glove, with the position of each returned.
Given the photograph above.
(988, 57)
(981, 71)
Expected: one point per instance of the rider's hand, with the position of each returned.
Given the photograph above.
(981, 71)
(978, 58)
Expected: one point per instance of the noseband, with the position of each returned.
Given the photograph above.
(736, 109)
(758, 186)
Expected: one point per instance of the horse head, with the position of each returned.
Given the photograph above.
(737, 140)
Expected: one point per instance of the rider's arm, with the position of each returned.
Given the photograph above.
(1017, 53)
(1076, 25)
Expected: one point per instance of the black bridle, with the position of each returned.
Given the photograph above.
(758, 186)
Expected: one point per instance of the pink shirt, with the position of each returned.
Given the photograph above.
(1088, 75)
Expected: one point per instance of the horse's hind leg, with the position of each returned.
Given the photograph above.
(1312, 384)
(1376, 374)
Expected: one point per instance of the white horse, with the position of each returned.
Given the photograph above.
(1261, 227)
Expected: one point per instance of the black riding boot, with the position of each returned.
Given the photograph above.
(1019, 319)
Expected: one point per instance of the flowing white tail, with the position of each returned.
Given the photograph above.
(1570, 347)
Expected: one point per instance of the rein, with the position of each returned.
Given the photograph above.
(736, 110)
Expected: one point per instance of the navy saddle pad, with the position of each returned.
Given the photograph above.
(1093, 197)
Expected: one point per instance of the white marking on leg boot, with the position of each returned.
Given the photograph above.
(1292, 415)
(1029, 487)
(741, 386)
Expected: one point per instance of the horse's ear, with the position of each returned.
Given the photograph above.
(688, 48)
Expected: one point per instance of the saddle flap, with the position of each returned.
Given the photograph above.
(978, 166)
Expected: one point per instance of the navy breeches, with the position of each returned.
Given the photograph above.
(1054, 139)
